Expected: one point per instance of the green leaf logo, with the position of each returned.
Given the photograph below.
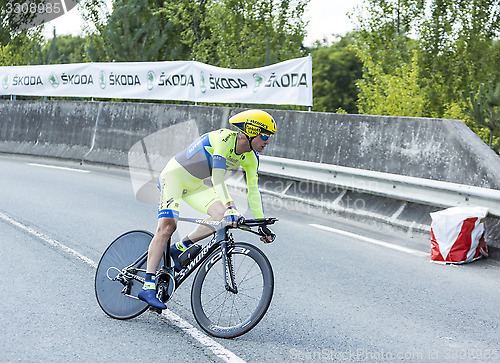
(102, 80)
(5, 81)
(203, 88)
(151, 80)
(258, 81)
(53, 80)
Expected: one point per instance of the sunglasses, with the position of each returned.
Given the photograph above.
(264, 136)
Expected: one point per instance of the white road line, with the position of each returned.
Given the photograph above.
(221, 352)
(59, 167)
(48, 240)
(208, 342)
(371, 240)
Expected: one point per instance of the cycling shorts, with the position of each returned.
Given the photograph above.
(177, 184)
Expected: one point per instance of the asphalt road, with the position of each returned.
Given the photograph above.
(336, 297)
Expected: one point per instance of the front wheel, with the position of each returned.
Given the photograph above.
(226, 314)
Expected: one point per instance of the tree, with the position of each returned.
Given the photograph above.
(192, 27)
(385, 42)
(255, 33)
(385, 29)
(60, 50)
(459, 50)
(226, 33)
(17, 16)
(22, 49)
(456, 47)
(484, 110)
(71, 49)
(19, 37)
(336, 68)
(397, 94)
(134, 31)
(456, 42)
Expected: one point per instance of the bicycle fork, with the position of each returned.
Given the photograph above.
(227, 264)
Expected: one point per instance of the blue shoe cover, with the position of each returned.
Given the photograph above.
(149, 296)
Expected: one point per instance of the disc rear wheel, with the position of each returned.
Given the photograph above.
(122, 252)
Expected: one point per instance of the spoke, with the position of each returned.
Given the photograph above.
(236, 309)
(222, 310)
(252, 288)
(215, 297)
(217, 271)
(251, 265)
(245, 278)
(250, 297)
(217, 308)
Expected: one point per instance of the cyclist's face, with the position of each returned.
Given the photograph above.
(259, 144)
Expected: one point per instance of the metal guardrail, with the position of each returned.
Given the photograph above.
(418, 190)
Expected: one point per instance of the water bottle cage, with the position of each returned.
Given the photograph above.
(189, 255)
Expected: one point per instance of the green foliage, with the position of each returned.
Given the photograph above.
(191, 26)
(226, 33)
(134, 31)
(254, 33)
(13, 21)
(457, 51)
(22, 48)
(484, 110)
(19, 41)
(458, 47)
(70, 49)
(336, 68)
(397, 94)
(59, 50)
(385, 29)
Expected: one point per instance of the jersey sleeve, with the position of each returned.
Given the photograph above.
(251, 166)
(221, 141)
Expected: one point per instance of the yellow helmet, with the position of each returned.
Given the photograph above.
(254, 122)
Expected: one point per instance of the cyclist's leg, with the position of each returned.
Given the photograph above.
(166, 227)
(168, 211)
(204, 200)
(171, 183)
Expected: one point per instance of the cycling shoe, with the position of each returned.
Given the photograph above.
(150, 297)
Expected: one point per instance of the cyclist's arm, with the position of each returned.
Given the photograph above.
(221, 144)
(255, 201)
(251, 165)
(218, 173)
(253, 195)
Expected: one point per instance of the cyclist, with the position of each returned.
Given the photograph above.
(182, 178)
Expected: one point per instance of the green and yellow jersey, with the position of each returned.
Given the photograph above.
(210, 155)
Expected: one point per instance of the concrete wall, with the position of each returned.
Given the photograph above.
(104, 132)
(444, 150)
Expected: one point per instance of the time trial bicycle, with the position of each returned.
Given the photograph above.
(231, 291)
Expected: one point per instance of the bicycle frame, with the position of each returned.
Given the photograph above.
(222, 236)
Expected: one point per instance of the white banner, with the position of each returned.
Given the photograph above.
(288, 82)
